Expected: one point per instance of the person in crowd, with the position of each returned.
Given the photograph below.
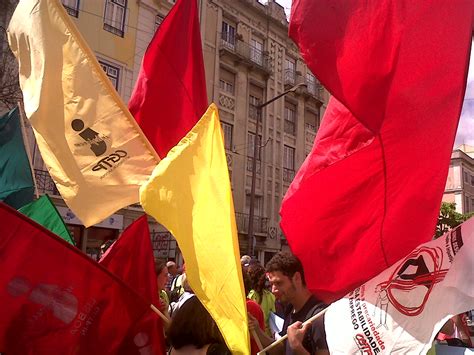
(286, 276)
(455, 332)
(260, 294)
(161, 279)
(172, 274)
(254, 309)
(194, 332)
(183, 297)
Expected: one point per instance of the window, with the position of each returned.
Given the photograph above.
(311, 120)
(290, 71)
(112, 72)
(251, 145)
(257, 206)
(228, 35)
(72, 7)
(114, 18)
(255, 99)
(288, 163)
(311, 83)
(227, 129)
(290, 118)
(288, 157)
(256, 51)
(158, 21)
(226, 81)
(466, 204)
(466, 177)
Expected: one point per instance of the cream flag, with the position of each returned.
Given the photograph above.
(94, 150)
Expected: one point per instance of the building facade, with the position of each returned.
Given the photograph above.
(460, 183)
(248, 59)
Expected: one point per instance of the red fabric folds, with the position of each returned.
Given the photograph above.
(55, 299)
(131, 259)
(170, 93)
(397, 71)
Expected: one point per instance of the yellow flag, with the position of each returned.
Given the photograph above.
(189, 193)
(94, 150)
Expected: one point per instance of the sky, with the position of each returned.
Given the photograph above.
(465, 134)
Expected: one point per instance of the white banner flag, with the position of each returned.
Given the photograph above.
(401, 310)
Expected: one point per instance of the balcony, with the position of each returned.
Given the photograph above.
(289, 77)
(288, 175)
(313, 89)
(45, 183)
(245, 53)
(260, 224)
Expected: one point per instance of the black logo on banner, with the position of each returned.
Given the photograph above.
(97, 144)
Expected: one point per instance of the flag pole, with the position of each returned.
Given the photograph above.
(157, 311)
(257, 339)
(283, 338)
(26, 145)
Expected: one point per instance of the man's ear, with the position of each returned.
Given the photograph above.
(297, 279)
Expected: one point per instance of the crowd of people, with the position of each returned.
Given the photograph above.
(277, 290)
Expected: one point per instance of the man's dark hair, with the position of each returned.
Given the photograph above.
(287, 264)
(159, 266)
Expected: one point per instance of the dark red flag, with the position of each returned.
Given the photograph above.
(170, 93)
(380, 160)
(131, 259)
(56, 300)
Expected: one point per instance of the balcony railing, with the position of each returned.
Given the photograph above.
(45, 183)
(313, 88)
(288, 175)
(245, 51)
(260, 224)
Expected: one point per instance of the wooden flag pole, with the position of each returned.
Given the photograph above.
(26, 145)
(157, 311)
(257, 339)
(283, 338)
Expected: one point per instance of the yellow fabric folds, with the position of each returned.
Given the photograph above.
(92, 146)
(189, 193)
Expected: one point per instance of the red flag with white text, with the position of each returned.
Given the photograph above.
(397, 71)
(131, 259)
(56, 300)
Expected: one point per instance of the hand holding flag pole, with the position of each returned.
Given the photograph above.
(283, 338)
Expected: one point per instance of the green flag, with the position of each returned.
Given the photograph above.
(16, 181)
(45, 213)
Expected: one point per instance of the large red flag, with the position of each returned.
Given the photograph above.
(170, 93)
(380, 160)
(131, 259)
(56, 300)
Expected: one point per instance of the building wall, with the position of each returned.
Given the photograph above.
(460, 182)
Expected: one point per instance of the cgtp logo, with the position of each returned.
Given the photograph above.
(363, 344)
(97, 144)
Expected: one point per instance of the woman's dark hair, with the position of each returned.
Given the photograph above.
(246, 279)
(193, 325)
(256, 274)
(159, 266)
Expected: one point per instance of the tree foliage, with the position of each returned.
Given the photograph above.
(10, 92)
(449, 218)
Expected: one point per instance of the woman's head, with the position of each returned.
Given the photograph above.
(256, 274)
(161, 274)
(192, 325)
